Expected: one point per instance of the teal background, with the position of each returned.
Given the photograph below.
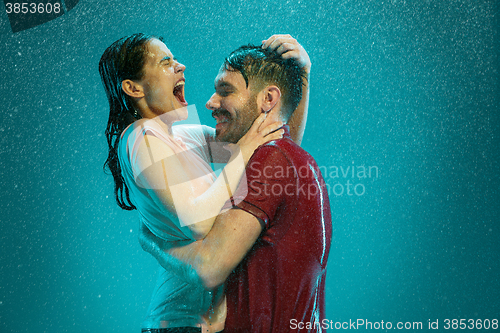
(410, 87)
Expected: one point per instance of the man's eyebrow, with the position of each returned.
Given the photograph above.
(223, 84)
(166, 58)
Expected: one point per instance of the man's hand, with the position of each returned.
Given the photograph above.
(288, 47)
(149, 242)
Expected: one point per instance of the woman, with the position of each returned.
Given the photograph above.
(163, 171)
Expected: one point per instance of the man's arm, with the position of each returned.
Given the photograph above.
(288, 47)
(211, 260)
(235, 231)
(156, 247)
(215, 257)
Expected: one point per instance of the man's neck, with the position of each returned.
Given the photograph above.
(272, 117)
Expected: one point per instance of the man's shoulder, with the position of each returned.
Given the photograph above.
(275, 151)
(281, 150)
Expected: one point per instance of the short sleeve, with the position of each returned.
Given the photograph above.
(134, 143)
(269, 177)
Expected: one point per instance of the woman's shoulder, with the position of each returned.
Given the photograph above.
(133, 135)
(138, 129)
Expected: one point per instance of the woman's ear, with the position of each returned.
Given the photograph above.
(133, 89)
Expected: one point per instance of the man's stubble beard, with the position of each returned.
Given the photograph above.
(248, 110)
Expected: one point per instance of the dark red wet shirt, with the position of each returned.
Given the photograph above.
(281, 281)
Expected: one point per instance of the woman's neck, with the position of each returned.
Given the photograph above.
(165, 124)
(167, 119)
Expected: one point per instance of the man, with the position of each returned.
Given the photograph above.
(271, 248)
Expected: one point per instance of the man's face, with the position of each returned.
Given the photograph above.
(233, 105)
(163, 79)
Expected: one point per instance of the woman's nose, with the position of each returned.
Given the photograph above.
(179, 68)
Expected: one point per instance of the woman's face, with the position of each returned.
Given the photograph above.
(163, 79)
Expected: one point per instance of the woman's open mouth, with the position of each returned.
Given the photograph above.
(179, 92)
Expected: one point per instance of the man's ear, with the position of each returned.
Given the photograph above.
(272, 96)
(133, 89)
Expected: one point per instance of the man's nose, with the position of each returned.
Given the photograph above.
(213, 103)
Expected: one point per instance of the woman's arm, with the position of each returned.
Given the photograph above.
(288, 47)
(182, 193)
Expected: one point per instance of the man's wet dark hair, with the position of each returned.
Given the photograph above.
(123, 60)
(263, 67)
